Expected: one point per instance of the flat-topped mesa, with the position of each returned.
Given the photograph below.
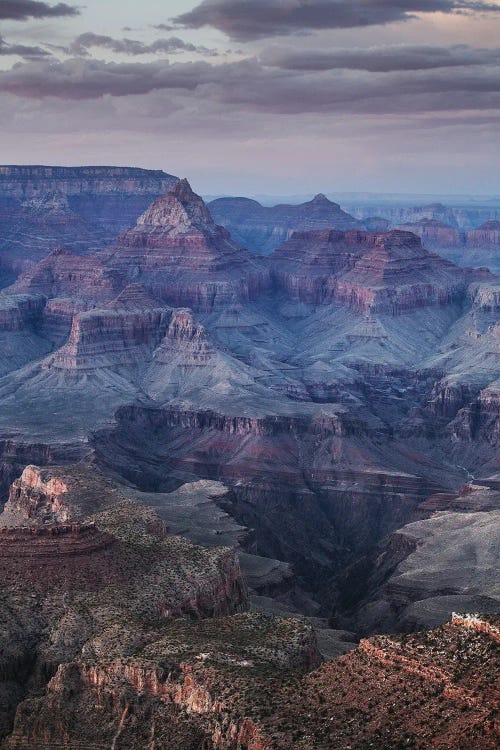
(27, 181)
(382, 271)
(182, 257)
(111, 337)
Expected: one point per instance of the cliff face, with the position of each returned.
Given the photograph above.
(110, 338)
(255, 696)
(435, 566)
(485, 236)
(81, 564)
(366, 271)
(263, 229)
(78, 207)
(434, 234)
(63, 274)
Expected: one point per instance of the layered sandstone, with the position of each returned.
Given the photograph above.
(111, 337)
(21, 311)
(78, 207)
(184, 258)
(365, 271)
(252, 684)
(487, 235)
(443, 563)
(63, 274)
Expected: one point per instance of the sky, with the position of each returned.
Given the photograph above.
(259, 96)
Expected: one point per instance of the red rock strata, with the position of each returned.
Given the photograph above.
(183, 257)
(58, 557)
(388, 271)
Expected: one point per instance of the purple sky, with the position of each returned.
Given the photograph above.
(259, 96)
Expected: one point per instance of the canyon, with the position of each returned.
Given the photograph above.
(102, 653)
(467, 236)
(231, 465)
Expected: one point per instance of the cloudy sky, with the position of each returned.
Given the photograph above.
(259, 96)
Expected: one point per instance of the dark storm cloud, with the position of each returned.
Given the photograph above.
(22, 50)
(245, 20)
(248, 86)
(84, 42)
(21, 10)
(380, 59)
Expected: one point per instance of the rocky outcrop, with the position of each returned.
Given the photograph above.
(480, 420)
(21, 311)
(263, 229)
(396, 691)
(185, 338)
(77, 207)
(111, 337)
(179, 253)
(63, 274)
(58, 495)
(366, 271)
(447, 398)
(485, 236)
(439, 565)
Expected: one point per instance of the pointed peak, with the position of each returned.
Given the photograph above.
(320, 198)
(180, 209)
(183, 191)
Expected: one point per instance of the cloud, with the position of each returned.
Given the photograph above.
(380, 59)
(164, 27)
(91, 79)
(21, 10)
(22, 50)
(82, 44)
(246, 20)
(249, 86)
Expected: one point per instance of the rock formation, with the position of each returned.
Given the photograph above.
(262, 229)
(434, 234)
(333, 388)
(366, 271)
(425, 571)
(184, 258)
(76, 207)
